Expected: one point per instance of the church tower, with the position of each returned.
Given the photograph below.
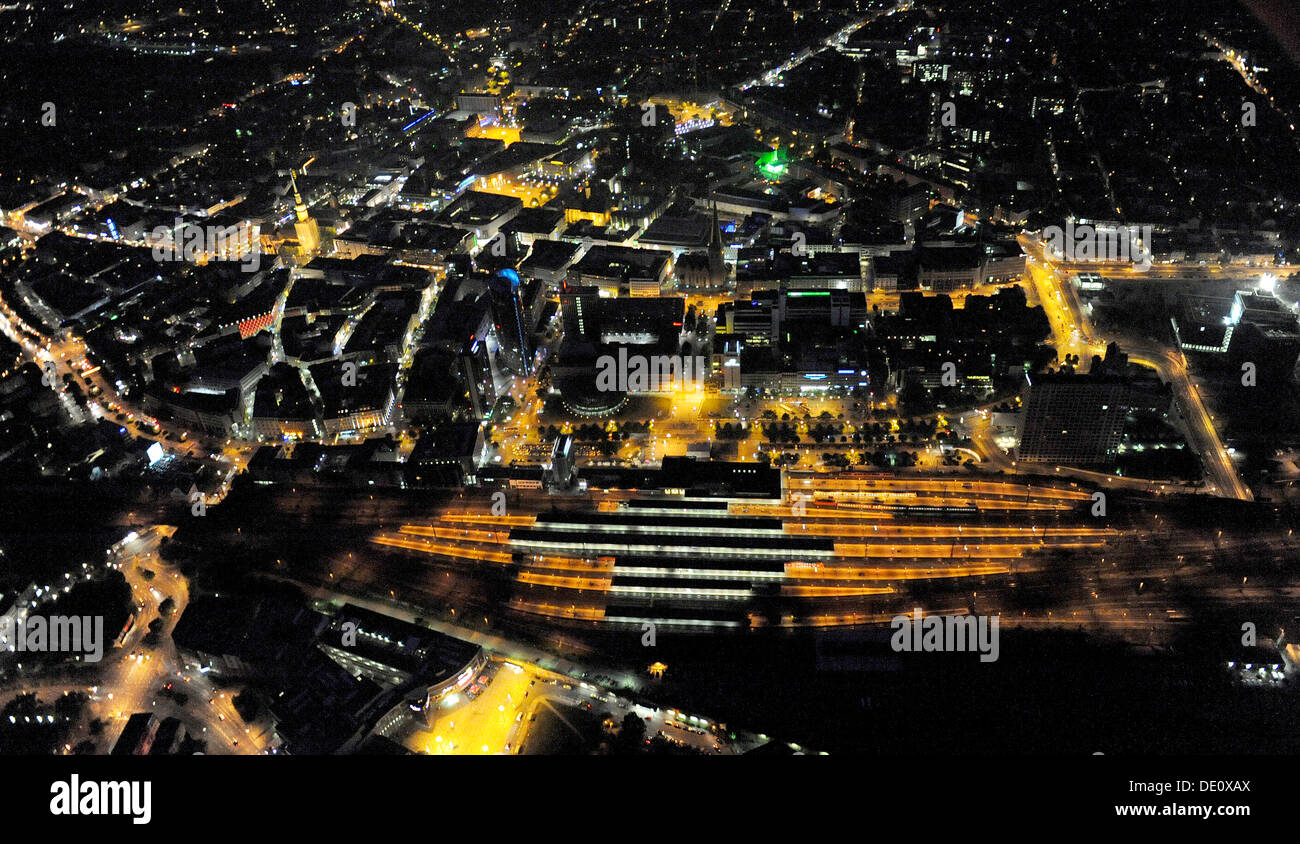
(717, 266)
(307, 228)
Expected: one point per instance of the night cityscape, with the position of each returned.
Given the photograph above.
(638, 378)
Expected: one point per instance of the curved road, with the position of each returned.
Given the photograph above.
(1075, 335)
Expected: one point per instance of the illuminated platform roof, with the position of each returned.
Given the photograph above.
(665, 541)
(658, 521)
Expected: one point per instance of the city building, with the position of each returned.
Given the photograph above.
(1073, 419)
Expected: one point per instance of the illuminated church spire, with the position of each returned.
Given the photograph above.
(307, 229)
(717, 264)
(299, 207)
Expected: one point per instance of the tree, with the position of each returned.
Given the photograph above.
(914, 397)
(246, 705)
(70, 705)
(631, 734)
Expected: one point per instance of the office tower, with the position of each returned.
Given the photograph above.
(508, 317)
(1073, 419)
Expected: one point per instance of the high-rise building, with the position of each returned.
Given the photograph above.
(577, 311)
(508, 315)
(1073, 419)
(562, 468)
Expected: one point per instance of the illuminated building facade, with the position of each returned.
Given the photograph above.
(307, 229)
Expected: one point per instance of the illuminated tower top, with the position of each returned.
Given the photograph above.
(306, 228)
(299, 207)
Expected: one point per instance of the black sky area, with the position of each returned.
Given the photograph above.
(1282, 19)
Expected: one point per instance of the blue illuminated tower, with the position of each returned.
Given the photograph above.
(508, 316)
